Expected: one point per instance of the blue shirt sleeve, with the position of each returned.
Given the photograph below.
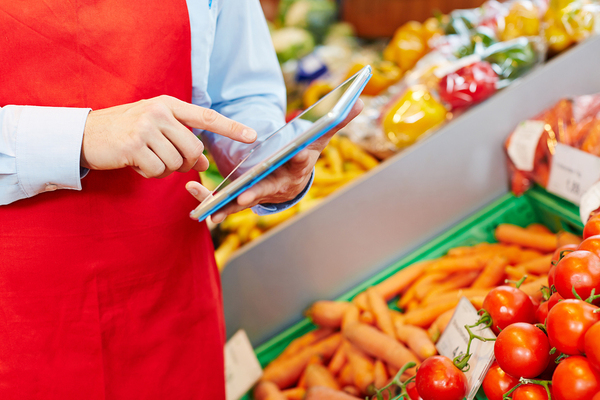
(245, 83)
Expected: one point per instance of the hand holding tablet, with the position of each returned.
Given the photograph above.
(262, 177)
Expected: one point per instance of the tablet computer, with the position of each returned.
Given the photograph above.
(286, 142)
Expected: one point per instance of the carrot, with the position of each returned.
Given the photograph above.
(324, 393)
(294, 394)
(515, 273)
(381, 312)
(477, 302)
(265, 390)
(305, 340)
(313, 360)
(492, 273)
(439, 325)
(339, 359)
(521, 256)
(401, 280)
(412, 305)
(453, 295)
(351, 316)
(346, 376)
(381, 376)
(361, 301)
(470, 250)
(362, 368)
(508, 233)
(287, 371)
(422, 284)
(540, 265)
(379, 345)
(540, 228)
(564, 238)
(416, 339)
(424, 316)
(455, 281)
(367, 317)
(327, 313)
(534, 289)
(473, 262)
(428, 283)
(318, 375)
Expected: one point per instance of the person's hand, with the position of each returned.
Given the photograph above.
(151, 136)
(283, 184)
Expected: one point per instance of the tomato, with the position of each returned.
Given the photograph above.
(596, 396)
(507, 305)
(591, 244)
(567, 323)
(530, 391)
(542, 313)
(592, 226)
(591, 345)
(554, 299)
(411, 389)
(497, 382)
(556, 259)
(438, 378)
(522, 350)
(574, 379)
(557, 252)
(579, 269)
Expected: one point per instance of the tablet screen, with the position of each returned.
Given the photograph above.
(285, 135)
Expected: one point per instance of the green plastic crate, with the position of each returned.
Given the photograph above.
(536, 205)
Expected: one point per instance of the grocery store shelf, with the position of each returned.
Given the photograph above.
(409, 199)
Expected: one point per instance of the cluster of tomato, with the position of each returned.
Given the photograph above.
(543, 351)
(552, 349)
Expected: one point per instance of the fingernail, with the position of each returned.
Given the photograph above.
(193, 191)
(249, 134)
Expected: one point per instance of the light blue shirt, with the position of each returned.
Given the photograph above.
(234, 71)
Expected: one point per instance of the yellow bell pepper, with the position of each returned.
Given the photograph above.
(416, 112)
(385, 74)
(407, 46)
(567, 22)
(521, 20)
(431, 28)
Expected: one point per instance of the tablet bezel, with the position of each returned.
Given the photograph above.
(323, 125)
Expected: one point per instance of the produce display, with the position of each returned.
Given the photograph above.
(339, 163)
(423, 77)
(381, 344)
(574, 122)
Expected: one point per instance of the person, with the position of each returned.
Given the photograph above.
(109, 290)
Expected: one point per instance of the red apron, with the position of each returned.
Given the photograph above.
(111, 292)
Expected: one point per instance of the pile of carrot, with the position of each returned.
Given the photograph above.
(360, 345)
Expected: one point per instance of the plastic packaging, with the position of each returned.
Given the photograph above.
(574, 122)
(468, 85)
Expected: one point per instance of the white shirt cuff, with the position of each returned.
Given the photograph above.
(49, 148)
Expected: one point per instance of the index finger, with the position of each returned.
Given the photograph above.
(204, 118)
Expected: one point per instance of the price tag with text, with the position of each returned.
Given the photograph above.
(572, 172)
(523, 142)
(455, 339)
(242, 369)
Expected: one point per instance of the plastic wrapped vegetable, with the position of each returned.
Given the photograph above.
(407, 46)
(512, 59)
(523, 19)
(468, 85)
(569, 21)
(316, 16)
(572, 122)
(385, 74)
(413, 114)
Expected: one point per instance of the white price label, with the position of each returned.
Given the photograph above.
(572, 172)
(523, 142)
(455, 339)
(242, 369)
